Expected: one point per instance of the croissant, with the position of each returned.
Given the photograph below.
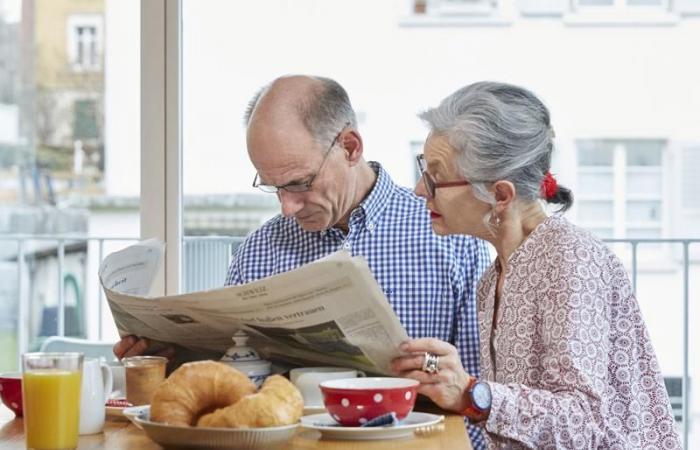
(277, 403)
(198, 388)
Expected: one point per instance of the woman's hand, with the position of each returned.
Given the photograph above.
(447, 386)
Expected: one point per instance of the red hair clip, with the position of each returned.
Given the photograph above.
(549, 186)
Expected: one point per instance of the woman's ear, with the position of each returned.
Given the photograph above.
(352, 146)
(504, 193)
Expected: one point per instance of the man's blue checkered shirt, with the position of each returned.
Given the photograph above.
(429, 280)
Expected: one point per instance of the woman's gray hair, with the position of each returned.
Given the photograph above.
(324, 113)
(500, 132)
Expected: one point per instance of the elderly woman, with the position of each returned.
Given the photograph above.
(566, 358)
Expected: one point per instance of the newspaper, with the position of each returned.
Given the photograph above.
(329, 312)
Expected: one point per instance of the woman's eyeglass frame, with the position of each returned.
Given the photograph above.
(298, 187)
(429, 182)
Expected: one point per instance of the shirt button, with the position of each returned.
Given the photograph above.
(347, 246)
(370, 227)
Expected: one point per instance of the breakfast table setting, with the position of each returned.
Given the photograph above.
(68, 402)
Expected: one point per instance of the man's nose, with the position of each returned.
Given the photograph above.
(290, 202)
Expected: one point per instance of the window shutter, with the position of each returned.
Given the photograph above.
(543, 7)
(687, 7)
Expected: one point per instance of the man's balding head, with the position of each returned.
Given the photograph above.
(320, 105)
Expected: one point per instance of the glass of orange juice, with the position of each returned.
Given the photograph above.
(51, 399)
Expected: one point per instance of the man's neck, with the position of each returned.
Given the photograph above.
(365, 183)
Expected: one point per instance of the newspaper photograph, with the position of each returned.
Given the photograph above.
(329, 312)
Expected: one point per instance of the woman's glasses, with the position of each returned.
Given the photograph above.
(429, 181)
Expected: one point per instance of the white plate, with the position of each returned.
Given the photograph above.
(115, 412)
(314, 409)
(132, 412)
(330, 429)
(214, 438)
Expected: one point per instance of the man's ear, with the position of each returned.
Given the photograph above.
(504, 193)
(351, 141)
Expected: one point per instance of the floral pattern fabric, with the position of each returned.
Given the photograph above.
(568, 359)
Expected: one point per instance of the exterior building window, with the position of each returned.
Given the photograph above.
(620, 187)
(85, 120)
(621, 5)
(85, 42)
(446, 8)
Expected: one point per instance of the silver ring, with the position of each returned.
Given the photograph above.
(430, 363)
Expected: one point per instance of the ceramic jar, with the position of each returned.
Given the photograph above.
(244, 358)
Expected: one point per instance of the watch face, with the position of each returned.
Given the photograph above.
(481, 396)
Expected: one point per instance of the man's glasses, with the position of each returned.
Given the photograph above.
(298, 187)
(429, 181)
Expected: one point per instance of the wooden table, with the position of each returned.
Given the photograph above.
(122, 435)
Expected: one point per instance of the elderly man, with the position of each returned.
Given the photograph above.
(303, 141)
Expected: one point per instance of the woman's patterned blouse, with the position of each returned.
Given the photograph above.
(567, 355)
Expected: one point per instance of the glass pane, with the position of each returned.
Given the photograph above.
(645, 2)
(595, 153)
(595, 2)
(595, 183)
(595, 211)
(643, 211)
(69, 162)
(644, 183)
(602, 233)
(643, 233)
(644, 153)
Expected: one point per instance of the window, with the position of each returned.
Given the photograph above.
(85, 120)
(456, 12)
(61, 173)
(621, 5)
(620, 187)
(85, 42)
(459, 7)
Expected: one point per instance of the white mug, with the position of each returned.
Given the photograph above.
(95, 389)
(307, 379)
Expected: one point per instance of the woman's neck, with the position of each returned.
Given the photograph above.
(514, 228)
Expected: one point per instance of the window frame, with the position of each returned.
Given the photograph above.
(161, 136)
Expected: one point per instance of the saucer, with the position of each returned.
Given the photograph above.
(314, 409)
(114, 409)
(132, 412)
(330, 429)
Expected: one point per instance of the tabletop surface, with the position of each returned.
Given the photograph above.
(122, 435)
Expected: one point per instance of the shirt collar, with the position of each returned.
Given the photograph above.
(371, 208)
(374, 204)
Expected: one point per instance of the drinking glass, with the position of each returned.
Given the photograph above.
(51, 399)
(143, 375)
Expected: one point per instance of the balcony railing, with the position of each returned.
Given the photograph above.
(205, 264)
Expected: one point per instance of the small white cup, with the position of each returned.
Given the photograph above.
(95, 389)
(307, 379)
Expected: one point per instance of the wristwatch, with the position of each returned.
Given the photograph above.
(478, 400)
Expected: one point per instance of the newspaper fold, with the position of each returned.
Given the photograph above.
(329, 312)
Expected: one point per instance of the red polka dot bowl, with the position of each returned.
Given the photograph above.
(354, 401)
(11, 391)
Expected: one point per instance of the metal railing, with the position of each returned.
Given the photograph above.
(685, 243)
(206, 260)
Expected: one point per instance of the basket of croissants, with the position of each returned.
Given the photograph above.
(208, 404)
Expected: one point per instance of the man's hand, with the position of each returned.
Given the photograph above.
(135, 346)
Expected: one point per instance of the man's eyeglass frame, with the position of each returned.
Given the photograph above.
(430, 183)
(299, 187)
